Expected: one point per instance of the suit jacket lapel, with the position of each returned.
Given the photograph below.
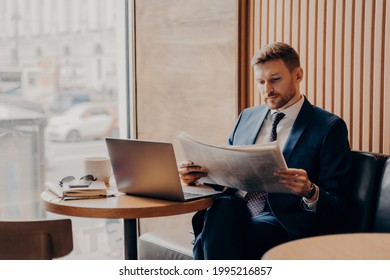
(299, 126)
(257, 124)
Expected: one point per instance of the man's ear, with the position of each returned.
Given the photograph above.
(299, 74)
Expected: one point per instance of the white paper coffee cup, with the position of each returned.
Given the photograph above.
(100, 167)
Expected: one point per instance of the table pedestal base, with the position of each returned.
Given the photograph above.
(130, 239)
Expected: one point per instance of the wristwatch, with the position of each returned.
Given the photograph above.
(312, 191)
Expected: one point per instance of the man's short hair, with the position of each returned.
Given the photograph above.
(277, 50)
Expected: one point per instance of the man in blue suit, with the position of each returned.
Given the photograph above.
(316, 149)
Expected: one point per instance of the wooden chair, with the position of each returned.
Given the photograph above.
(35, 240)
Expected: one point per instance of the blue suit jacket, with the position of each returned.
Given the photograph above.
(317, 143)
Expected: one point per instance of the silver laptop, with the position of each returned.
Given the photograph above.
(147, 168)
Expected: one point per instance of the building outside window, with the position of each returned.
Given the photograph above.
(56, 56)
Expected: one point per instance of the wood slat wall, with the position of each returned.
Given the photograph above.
(345, 52)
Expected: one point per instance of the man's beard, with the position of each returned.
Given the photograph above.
(281, 100)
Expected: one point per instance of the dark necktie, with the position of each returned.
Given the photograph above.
(256, 200)
(277, 116)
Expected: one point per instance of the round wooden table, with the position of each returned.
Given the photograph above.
(123, 206)
(354, 246)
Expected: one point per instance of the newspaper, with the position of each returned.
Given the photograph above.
(247, 168)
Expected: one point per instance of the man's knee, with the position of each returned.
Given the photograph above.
(229, 207)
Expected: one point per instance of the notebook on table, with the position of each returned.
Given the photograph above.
(147, 168)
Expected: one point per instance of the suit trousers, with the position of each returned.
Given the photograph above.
(230, 232)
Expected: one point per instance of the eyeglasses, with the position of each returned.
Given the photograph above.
(69, 179)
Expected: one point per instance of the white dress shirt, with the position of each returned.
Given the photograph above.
(284, 127)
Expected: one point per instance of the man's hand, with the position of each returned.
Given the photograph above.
(190, 172)
(297, 181)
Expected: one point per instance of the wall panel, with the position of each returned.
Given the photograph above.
(344, 48)
(386, 83)
(327, 93)
(186, 75)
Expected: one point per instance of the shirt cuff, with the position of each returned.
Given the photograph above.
(310, 206)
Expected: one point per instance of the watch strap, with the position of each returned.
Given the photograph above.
(312, 191)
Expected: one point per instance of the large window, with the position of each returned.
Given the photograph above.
(58, 101)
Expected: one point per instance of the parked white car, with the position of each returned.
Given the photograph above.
(84, 121)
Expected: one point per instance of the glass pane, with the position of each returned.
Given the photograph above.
(58, 101)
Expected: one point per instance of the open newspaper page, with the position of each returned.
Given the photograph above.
(248, 168)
